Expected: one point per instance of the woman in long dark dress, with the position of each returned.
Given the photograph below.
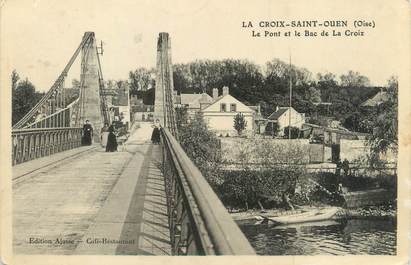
(87, 133)
(155, 136)
(111, 140)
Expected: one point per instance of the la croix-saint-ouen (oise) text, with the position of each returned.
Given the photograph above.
(308, 28)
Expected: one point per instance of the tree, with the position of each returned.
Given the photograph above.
(75, 83)
(353, 122)
(327, 80)
(14, 79)
(354, 79)
(314, 95)
(243, 77)
(384, 125)
(24, 97)
(141, 79)
(239, 123)
(203, 147)
(278, 75)
(181, 118)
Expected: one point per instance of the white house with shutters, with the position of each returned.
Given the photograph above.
(284, 115)
(220, 114)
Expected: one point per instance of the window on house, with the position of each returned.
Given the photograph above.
(233, 107)
(223, 107)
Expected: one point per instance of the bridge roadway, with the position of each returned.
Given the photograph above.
(69, 202)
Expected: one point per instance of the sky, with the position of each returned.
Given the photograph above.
(40, 36)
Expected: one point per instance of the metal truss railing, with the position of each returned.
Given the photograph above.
(29, 144)
(199, 223)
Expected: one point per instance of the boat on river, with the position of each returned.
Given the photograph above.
(302, 216)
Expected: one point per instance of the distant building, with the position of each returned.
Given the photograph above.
(140, 111)
(281, 117)
(220, 114)
(376, 100)
(193, 102)
(118, 102)
(332, 137)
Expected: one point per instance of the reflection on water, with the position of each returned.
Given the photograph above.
(348, 237)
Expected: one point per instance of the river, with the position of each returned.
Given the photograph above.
(370, 236)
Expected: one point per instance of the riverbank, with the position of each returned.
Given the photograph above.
(388, 211)
(372, 211)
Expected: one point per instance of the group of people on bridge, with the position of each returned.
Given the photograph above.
(108, 136)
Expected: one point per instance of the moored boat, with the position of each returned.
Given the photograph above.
(312, 215)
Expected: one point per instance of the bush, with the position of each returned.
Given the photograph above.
(244, 188)
(319, 188)
(272, 129)
(295, 132)
(202, 146)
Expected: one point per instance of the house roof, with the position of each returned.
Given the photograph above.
(277, 114)
(246, 108)
(188, 98)
(194, 100)
(376, 100)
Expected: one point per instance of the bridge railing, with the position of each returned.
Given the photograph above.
(199, 223)
(33, 143)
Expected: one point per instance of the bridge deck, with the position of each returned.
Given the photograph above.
(91, 196)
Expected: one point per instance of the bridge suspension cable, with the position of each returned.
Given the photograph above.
(51, 111)
(57, 84)
(164, 93)
(52, 125)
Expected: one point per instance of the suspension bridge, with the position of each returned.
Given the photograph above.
(145, 199)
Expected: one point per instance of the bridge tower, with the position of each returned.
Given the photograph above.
(164, 100)
(90, 87)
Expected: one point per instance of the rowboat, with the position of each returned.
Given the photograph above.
(312, 215)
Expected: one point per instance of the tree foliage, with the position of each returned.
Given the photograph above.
(239, 123)
(267, 85)
(243, 77)
(201, 145)
(266, 170)
(24, 97)
(354, 79)
(14, 79)
(383, 124)
(141, 79)
(314, 95)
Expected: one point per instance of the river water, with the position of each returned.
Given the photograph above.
(345, 237)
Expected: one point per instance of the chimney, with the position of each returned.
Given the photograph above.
(225, 90)
(215, 93)
(277, 108)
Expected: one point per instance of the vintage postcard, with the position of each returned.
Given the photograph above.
(258, 132)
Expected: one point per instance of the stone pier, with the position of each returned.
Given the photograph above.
(91, 91)
(164, 93)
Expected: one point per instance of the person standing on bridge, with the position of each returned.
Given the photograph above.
(111, 140)
(104, 135)
(87, 133)
(155, 136)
